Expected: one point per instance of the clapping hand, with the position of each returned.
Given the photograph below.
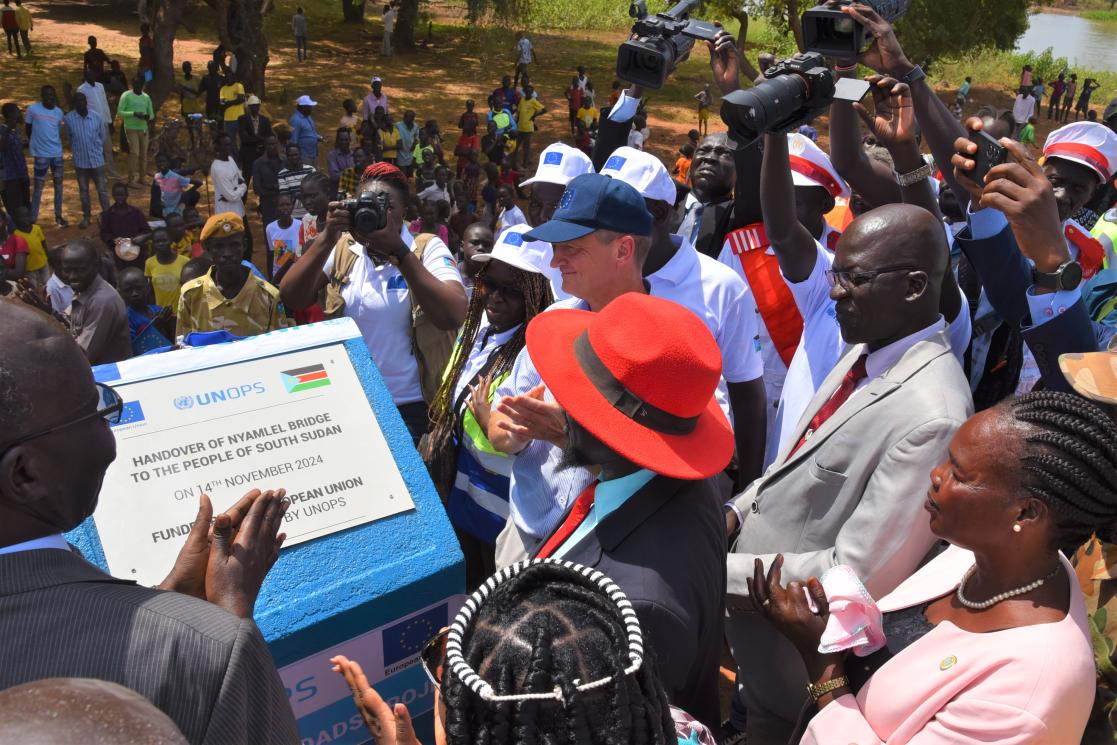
(478, 402)
(388, 725)
(787, 608)
(893, 120)
(226, 563)
(530, 417)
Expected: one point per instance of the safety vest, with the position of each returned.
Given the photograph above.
(1105, 233)
(773, 297)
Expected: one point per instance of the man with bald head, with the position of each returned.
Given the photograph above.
(200, 659)
(847, 486)
(62, 711)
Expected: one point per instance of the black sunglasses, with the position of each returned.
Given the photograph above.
(488, 287)
(108, 407)
(433, 658)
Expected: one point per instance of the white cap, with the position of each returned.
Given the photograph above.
(375, 79)
(1086, 143)
(252, 100)
(513, 249)
(643, 172)
(812, 167)
(560, 163)
(305, 100)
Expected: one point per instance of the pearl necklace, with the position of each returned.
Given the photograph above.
(1002, 596)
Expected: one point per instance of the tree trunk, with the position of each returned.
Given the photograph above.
(240, 28)
(165, 18)
(795, 22)
(353, 10)
(404, 35)
(747, 68)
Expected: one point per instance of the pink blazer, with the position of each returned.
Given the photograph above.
(1033, 684)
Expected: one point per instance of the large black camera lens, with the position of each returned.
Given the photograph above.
(751, 112)
(645, 62)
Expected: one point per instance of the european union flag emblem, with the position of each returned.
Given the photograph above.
(512, 238)
(552, 159)
(615, 163)
(130, 414)
(567, 198)
(407, 638)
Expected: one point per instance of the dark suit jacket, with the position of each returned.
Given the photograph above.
(252, 143)
(1006, 276)
(208, 670)
(665, 547)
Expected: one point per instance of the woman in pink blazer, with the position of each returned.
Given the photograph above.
(988, 642)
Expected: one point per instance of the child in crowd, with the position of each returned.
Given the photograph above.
(171, 185)
(1028, 132)
(150, 326)
(490, 192)
(164, 269)
(471, 178)
(199, 266)
(284, 242)
(350, 120)
(36, 268)
(510, 214)
(682, 163)
(958, 108)
(123, 221)
(705, 100)
(468, 142)
(574, 102)
(587, 112)
(184, 238)
(615, 94)
(432, 219)
(13, 257)
(438, 191)
(468, 117)
(315, 196)
(582, 139)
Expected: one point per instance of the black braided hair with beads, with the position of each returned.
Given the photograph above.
(1070, 462)
(536, 290)
(545, 628)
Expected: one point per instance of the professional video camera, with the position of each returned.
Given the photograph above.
(795, 92)
(664, 40)
(831, 32)
(368, 212)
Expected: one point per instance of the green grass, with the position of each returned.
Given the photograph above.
(1001, 69)
(1105, 16)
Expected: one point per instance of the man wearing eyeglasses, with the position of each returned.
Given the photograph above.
(204, 664)
(844, 487)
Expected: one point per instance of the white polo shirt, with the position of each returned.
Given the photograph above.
(378, 300)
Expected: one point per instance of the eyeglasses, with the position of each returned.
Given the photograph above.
(108, 407)
(433, 658)
(488, 287)
(851, 279)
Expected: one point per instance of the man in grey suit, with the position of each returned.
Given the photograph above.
(847, 487)
(206, 668)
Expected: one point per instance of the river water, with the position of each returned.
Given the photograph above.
(1089, 44)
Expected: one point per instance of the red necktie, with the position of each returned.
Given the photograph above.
(582, 506)
(848, 385)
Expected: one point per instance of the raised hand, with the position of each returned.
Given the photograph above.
(893, 119)
(725, 61)
(885, 55)
(388, 725)
(478, 402)
(241, 557)
(188, 575)
(788, 609)
(1023, 193)
(532, 418)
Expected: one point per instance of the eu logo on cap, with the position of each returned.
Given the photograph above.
(513, 239)
(552, 159)
(567, 198)
(615, 163)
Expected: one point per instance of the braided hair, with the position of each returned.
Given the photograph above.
(537, 294)
(545, 628)
(1070, 462)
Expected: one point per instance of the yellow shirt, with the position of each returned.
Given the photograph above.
(36, 247)
(185, 246)
(389, 143)
(528, 109)
(165, 279)
(230, 93)
(255, 310)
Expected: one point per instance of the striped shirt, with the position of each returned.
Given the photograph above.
(87, 138)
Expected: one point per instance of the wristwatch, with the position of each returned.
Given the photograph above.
(1067, 277)
(818, 691)
(914, 177)
(913, 76)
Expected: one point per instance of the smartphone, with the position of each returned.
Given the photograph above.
(989, 153)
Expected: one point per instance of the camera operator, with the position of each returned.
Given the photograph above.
(385, 274)
(1015, 219)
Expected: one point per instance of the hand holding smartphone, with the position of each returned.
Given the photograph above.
(989, 153)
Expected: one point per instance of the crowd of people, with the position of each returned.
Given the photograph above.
(844, 411)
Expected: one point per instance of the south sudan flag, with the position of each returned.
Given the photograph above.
(305, 378)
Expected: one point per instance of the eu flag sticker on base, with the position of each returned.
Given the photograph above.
(305, 378)
(407, 638)
(130, 414)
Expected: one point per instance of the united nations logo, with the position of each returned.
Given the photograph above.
(184, 402)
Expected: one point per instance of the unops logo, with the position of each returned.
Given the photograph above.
(232, 393)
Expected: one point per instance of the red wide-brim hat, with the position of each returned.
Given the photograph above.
(702, 453)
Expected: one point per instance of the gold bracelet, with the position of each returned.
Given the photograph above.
(818, 691)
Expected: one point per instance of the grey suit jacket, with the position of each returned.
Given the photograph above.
(854, 493)
(208, 670)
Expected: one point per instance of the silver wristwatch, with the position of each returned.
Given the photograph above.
(914, 177)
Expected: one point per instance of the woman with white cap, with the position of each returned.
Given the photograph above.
(511, 289)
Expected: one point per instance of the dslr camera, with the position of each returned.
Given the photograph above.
(368, 212)
(663, 40)
(830, 32)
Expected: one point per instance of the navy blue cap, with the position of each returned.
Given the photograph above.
(595, 202)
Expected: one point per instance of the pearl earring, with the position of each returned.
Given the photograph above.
(1016, 528)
